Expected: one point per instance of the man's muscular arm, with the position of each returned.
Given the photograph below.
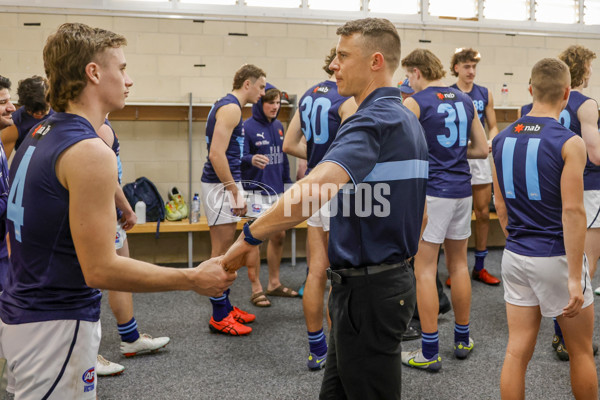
(227, 118)
(293, 142)
(88, 170)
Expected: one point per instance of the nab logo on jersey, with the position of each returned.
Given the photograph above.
(41, 130)
(446, 96)
(321, 89)
(527, 128)
(89, 378)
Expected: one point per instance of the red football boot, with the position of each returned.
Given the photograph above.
(228, 326)
(241, 316)
(485, 277)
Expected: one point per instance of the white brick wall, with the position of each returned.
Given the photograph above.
(161, 53)
(262, 29)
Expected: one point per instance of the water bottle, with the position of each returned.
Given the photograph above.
(140, 212)
(504, 93)
(196, 208)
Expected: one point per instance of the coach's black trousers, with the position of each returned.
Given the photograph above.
(368, 314)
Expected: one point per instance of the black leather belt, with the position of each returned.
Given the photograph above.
(338, 275)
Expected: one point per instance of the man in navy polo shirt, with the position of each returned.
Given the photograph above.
(381, 149)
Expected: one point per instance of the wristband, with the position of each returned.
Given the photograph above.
(248, 236)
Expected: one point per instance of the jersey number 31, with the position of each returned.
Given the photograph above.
(455, 122)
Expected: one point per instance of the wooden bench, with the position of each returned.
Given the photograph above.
(201, 226)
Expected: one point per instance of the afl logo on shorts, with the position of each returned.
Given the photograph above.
(89, 377)
(256, 208)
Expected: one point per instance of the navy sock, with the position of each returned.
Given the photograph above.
(128, 331)
(227, 303)
(479, 259)
(558, 331)
(461, 333)
(317, 342)
(430, 343)
(219, 305)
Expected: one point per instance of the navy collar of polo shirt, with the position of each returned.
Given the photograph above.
(385, 91)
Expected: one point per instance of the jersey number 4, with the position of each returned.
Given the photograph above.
(455, 122)
(15, 210)
(315, 121)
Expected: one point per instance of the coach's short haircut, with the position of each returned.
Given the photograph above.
(247, 72)
(549, 78)
(463, 55)
(5, 83)
(576, 57)
(425, 61)
(379, 35)
(66, 54)
(32, 94)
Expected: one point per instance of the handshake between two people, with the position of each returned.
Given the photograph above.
(214, 276)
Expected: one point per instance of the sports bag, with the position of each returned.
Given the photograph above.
(143, 189)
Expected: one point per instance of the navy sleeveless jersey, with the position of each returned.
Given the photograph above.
(526, 109)
(568, 118)
(378, 220)
(320, 119)
(234, 151)
(24, 122)
(446, 115)
(45, 281)
(529, 166)
(480, 97)
(116, 147)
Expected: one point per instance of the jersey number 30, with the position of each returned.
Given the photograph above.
(313, 113)
(15, 210)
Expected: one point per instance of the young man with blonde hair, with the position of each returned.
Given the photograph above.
(453, 133)
(463, 65)
(372, 297)
(222, 192)
(62, 252)
(539, 184)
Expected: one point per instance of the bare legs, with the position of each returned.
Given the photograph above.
(312, 300)
(523, 327)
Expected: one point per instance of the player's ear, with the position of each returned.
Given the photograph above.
(92, 72)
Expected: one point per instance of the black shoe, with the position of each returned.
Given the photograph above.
(413, 331)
